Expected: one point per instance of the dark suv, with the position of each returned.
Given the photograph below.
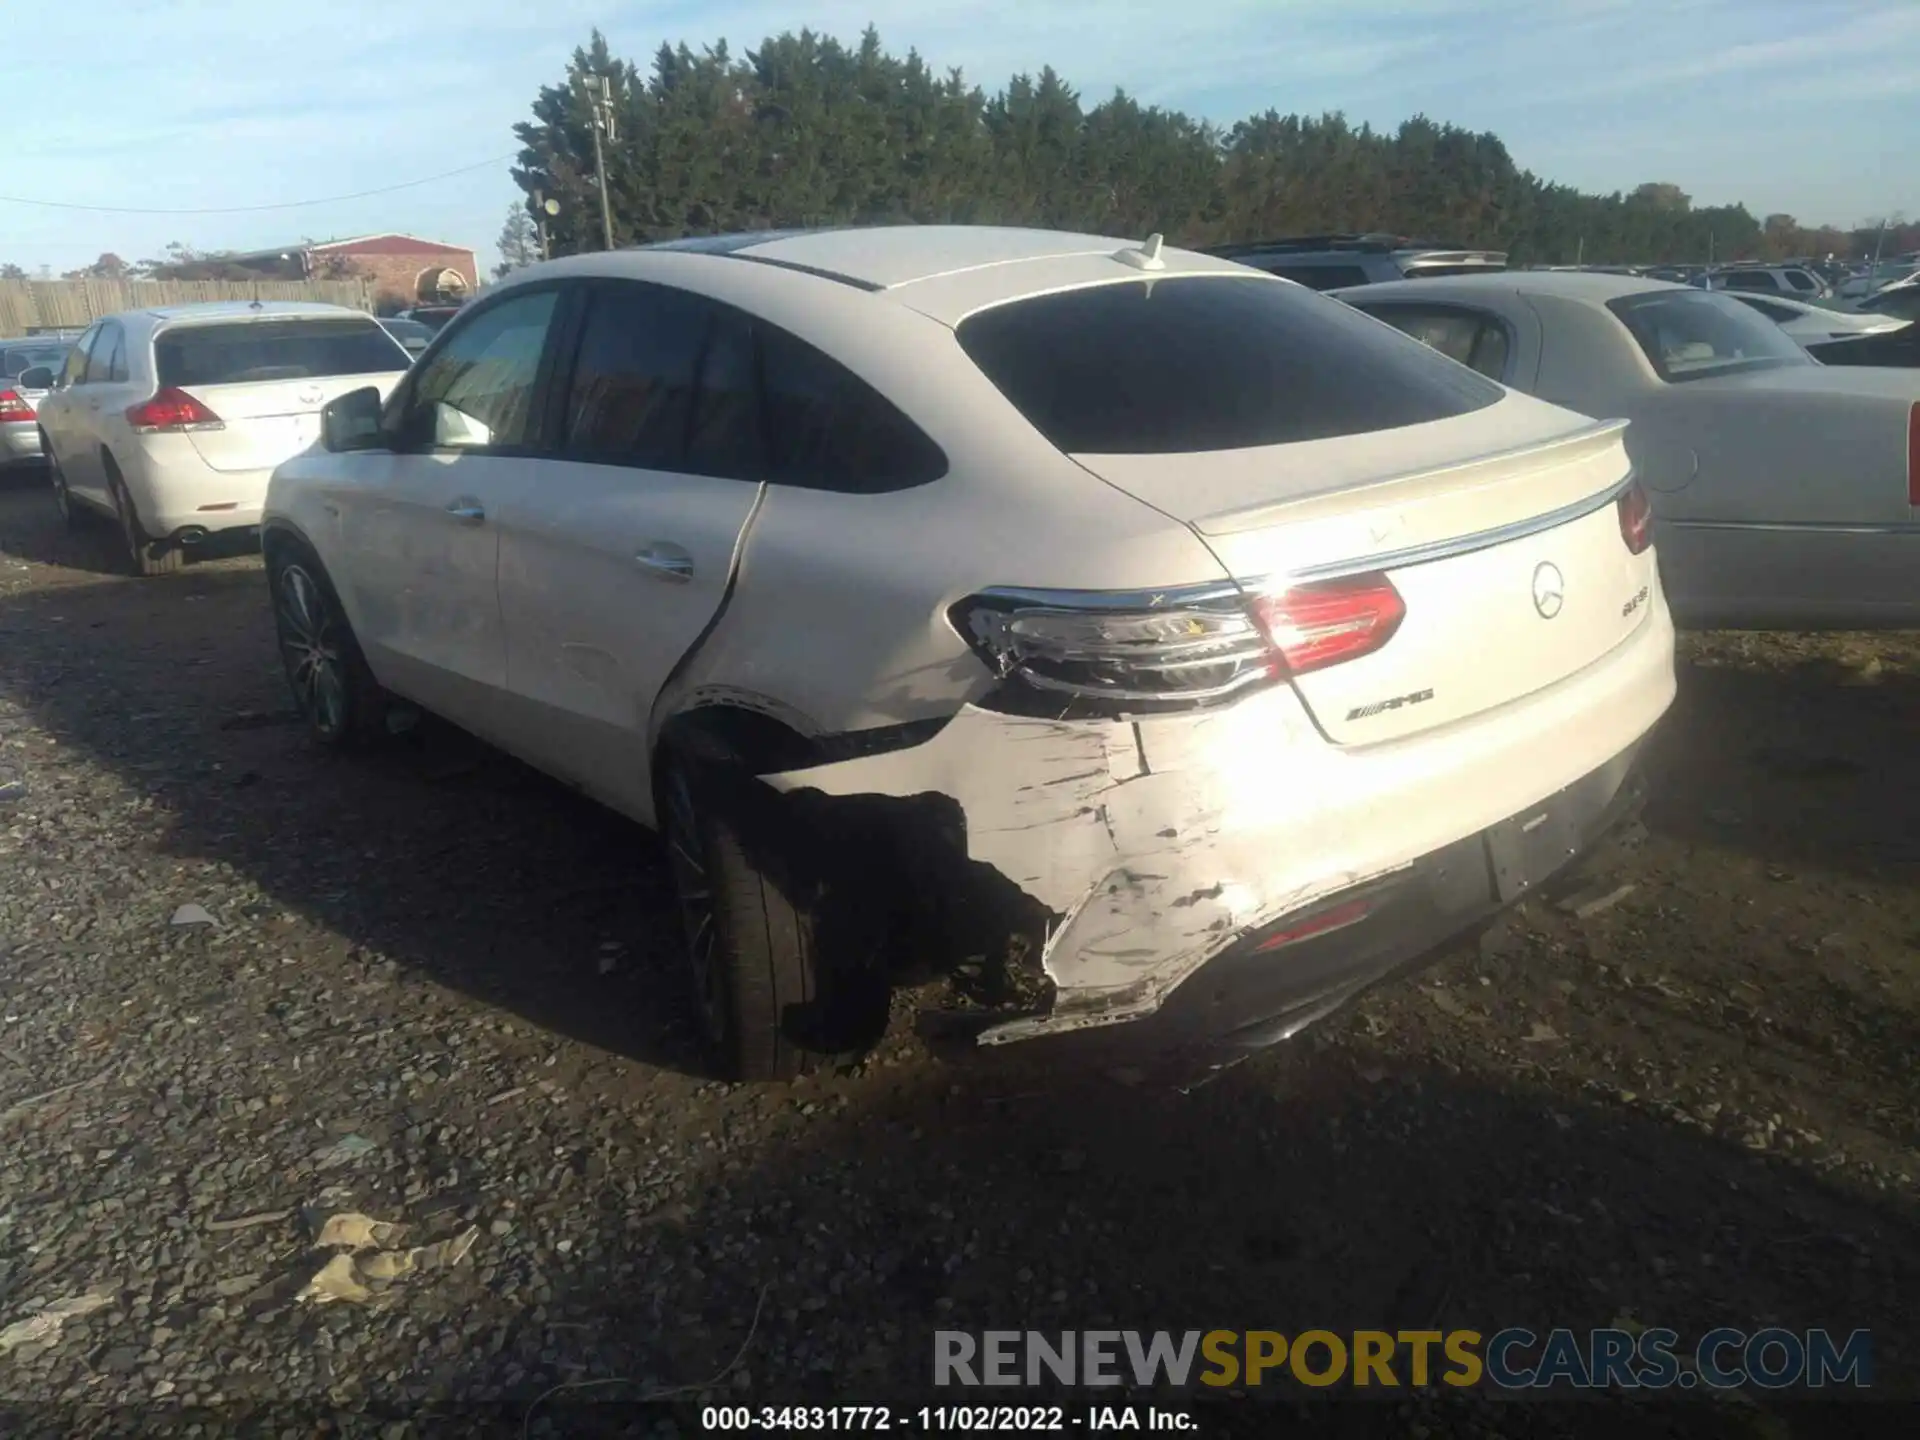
(1327, 262)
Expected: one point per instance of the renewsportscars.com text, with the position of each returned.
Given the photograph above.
(1513, 1358)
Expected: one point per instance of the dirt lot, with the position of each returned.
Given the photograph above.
(438, 990)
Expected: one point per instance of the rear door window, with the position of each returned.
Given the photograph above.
(827, 429)
(1748, 280)
(1471, 337)
(109, 343)
(1800, 280)
(633, 375)
(724, 435)
(116, 361)
(1193, 363)
(251, 351)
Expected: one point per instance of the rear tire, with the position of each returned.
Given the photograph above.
(332, 685)
(145, 555)
(750, 937)
(70, 514)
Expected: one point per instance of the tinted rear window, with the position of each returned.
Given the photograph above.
(1209, 363)
(274, 350)
(13, 362)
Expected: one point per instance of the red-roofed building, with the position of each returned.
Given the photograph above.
(405, 269)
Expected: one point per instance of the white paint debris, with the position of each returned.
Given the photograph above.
(192, 915)
(45, 1323)
(350, 1230)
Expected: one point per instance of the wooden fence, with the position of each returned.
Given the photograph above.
(28, 305)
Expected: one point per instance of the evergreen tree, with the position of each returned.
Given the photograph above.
(519, 241)
(806, 131)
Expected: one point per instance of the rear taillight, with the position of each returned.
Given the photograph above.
(1636, 518)
(1314, 626)
(1913, 456)
(14, 406)
(1073, 652)
(172, 409)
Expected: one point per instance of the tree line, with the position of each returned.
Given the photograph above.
(807, 131)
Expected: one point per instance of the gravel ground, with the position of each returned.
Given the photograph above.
(434, 989)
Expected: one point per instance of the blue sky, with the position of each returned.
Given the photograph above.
(1795, 105)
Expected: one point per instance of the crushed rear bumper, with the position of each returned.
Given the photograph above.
(1275, 982)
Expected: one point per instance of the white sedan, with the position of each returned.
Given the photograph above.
(170, 420)
(1231, 647)
(1786, 492)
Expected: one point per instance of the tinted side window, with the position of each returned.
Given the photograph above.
(827, 429)
(726, 437)
(76, 361)
(1319, 277)
(116, 357)
(1748, 280)
(108, 343)
(632, 389)
(1473, 339)
(1193, 363)
(478, 389)
(1800, 280)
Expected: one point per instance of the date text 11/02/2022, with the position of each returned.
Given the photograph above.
(942, 1419)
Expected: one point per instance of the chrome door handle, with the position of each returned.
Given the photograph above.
(468, 511)
(668, 562)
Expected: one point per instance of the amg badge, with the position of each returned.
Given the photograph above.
(1380, 707)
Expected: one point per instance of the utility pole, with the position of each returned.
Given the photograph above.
(600, 97)
(542, 208)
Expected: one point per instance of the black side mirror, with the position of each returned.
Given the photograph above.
(351, 421)
(36, 377)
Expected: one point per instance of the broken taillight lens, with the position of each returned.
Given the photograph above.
(1636, 518)
(1107, 653)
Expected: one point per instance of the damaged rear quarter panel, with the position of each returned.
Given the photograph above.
(1153, 843)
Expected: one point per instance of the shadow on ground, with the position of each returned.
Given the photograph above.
(1812, 764)
(1319, 1188)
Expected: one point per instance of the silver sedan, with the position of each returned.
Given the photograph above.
(1786, 493)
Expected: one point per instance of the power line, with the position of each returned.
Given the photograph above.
(254, 209)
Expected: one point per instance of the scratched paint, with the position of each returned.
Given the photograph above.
(1160, 842)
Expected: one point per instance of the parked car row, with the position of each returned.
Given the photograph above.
(1227, 643)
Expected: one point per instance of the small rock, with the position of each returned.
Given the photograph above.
(1595, 899)
(191, 915)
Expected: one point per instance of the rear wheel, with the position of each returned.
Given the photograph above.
(338, 697)
(63, 503)
(145, 555)
(751, 947)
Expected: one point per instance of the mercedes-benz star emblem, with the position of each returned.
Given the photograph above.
(1549, 589)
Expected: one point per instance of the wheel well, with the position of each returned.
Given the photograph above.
(274, 540)
(750, 739)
